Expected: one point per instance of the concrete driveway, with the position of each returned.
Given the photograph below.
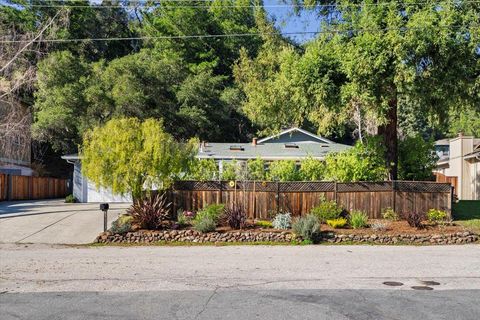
(53, 221)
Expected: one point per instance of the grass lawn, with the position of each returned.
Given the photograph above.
(467, 214)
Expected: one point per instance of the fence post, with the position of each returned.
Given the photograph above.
(254, 201)
(220, 192)
(451, 201)
(278, 197)
(335, 190)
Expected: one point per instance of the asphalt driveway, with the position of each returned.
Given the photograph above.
(240, 282)
(53, 221)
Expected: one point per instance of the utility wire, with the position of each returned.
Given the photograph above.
(66, 4)
(29, 42)
(339, 31)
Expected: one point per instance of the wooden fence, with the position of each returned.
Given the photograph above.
(263, 200)
(29, 188)
(439, 177)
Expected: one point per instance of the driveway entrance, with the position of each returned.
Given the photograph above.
(53, 221)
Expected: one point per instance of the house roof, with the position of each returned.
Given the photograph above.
(294, 144)
(308, 136)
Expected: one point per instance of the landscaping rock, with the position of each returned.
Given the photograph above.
(146, 236)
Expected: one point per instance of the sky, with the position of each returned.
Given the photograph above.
(287, 22)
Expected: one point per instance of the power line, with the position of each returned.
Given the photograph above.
(65, 4)
(235, 34)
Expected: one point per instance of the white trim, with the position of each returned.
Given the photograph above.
(295, 129)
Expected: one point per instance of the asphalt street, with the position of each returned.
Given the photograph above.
(240, 282)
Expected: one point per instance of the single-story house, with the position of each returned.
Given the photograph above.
(86, 191)
(459, 164)
(292, 144)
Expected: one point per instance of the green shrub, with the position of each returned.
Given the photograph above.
(435, 215)
(70, 199)
(264, 224)
(337, 223)
(122, 225)
(327, 210)
(307, 227)
(214, 211)
(205, 224)
(283, 170)
(358, 219)
(390, 214)
(282, 221)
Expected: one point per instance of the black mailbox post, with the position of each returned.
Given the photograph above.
(104, 207)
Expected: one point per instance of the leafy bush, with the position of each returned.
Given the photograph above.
(264, 224)
(213, 211)
(379, 226)
(414, 219)
(235, 217)
(256, 169)
(358, 219)
(283, 170)
(390, 214)
(122, 225)
(70, 199)
(202, 170)
(416, 158)
(204, 224)
(229, 170)
(282, 221)
(364, 162)
(312, 169)
(435, 215)
(307, 227)
(327, 210)
(152, 212)
(337, 223)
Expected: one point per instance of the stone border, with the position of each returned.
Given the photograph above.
(425, 239)
(146, 236)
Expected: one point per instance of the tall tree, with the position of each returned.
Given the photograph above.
(377, 54)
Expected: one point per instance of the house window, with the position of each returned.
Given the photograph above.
(291, 146)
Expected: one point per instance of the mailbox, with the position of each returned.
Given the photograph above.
(104, 206)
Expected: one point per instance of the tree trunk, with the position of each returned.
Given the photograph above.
(390, 138)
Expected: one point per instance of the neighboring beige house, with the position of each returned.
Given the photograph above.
(459, 164)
